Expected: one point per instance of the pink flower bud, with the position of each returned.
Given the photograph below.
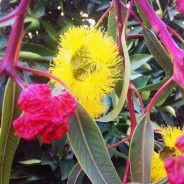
(175, 169)
(44, 115)
(180, 143)
(180, 5)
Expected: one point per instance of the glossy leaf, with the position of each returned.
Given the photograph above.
(8, 140)
(89, 147)
(152, 87)
(112, 28)
(141, 149)
(138, 60)
(162, 98)
(76, 175)
(158, 51)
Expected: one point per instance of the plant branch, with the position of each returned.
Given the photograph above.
(104, 15)
(42, 73)
(118, 143)
(161, 31)
(158, 93)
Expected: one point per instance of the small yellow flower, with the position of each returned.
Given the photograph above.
(158, 170)
(89, 63)
(169, 136)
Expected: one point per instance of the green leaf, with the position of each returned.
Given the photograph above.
(89, 147)
(76, 175)
(31, 56)
(167, 92)
(112, 28)
(138, 60)
(49, 28)
(126, 78)
(141, 149)
(152, 87)
(33, 23)
(158, 51)
(8, 140)
(66, 167)
(38, 49)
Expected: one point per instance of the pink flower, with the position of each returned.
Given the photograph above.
(180, 143)
(175, 169)
(43, 114)
(180, 5)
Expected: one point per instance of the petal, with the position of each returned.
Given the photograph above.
(64, 104)
(35, 98)
(54, 132)
(180, 143)
(175, 169)
(29, 126)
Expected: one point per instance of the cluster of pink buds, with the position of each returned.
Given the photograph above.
(44, 114)
(175, 165)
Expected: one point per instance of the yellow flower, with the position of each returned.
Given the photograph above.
(89, 63)
(169, 136)
(158, 170)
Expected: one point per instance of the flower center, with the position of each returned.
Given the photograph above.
(167, 152)
(83, 64)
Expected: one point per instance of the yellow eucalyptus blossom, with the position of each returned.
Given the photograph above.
(158, 170)
(169, 135)
(89, 63)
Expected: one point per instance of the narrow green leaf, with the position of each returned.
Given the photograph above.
(158, 51)
(138, 60)
(89, 147)
(76, 175)
(112, 27)
(162, 98)
(31, 56)
(126, 78)
(8, 140)
(141, 149)
(152, 87)
(38, 49)
(49, 28)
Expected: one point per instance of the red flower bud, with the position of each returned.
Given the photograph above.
(175, 169)
(180, 5)
(44, 115)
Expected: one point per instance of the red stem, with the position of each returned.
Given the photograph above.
(133, 13)
(161, 31)
(119, 22)
(42, 73)
(118, 143)
(158, 93)
(14, 43)
(130, 99)
(125, 178)
(134, 36)
(132, 87)
(132, 112)
(175, 34)
(104, 15)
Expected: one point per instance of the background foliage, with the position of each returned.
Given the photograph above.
(45, 21)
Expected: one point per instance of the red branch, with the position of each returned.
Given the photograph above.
(118, 143)
(104, 15)
(158, 93)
